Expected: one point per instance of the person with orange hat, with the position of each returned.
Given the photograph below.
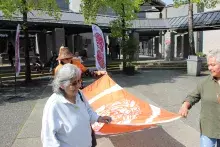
(65, 56)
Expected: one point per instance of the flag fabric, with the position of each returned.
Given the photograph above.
(36, 45)
(128, 112)
(99, 48)
(17, 52)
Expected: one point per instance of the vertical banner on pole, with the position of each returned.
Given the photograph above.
(99, 48)
(17, 52)
(36, 45)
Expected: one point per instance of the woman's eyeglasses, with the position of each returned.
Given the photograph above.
(74, 83)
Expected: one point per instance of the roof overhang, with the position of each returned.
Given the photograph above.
(74, 22)
(71, 20)
(201, 21)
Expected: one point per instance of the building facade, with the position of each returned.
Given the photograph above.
(157, 37)
(210, 39)
(204, 39)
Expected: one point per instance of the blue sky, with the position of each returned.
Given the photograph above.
(168, 1)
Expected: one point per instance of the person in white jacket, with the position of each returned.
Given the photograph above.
(67, 115)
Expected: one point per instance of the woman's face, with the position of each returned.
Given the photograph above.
(214, 67)
(73, 87)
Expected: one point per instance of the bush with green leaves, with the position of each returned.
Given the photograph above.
(200, 54)
(131, 48)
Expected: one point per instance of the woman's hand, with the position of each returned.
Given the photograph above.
(100, 73)
(104, 119)
(184, 109)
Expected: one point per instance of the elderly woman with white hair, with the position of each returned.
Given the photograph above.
(208, 92)
(67, 116)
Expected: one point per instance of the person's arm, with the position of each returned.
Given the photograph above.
(193, 97)
(94, 117)
(190, 100)
(49, 128)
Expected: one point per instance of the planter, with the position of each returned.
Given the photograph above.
(194, 65)
(129, 70)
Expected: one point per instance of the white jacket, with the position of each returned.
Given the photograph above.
(65, 124)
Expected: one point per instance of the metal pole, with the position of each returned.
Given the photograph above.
(1, 71)
(15, 83)
(105, 52)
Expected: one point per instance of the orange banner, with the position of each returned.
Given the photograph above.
(128, 112)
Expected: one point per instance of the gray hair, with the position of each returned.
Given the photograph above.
(63, 77)
(214, 53)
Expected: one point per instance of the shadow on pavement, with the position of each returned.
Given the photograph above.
(147, 77)
(24, 91)
(155, 137)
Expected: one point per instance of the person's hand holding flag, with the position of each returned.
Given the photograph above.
(104, 119)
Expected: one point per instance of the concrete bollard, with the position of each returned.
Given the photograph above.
(194, 65)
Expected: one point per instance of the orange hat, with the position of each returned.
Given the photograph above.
(64, 53)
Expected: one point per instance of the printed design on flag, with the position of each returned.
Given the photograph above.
(124, 108)
(100, 52)
(122, 111)
(17, 53)
(97, 126)
(99, 41)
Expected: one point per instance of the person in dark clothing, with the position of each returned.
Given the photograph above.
(11, 53)
(118, 51)
(110, 51)
(38, 65)
(53, 61)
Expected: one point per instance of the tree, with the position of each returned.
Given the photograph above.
(12, 8)
(131, 46)
(125, 10)
(201, 3)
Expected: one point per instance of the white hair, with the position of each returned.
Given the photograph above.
(214, 53)
(63, 77)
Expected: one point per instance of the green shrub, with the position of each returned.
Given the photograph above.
(200, 54)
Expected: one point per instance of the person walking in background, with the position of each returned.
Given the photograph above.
(110, 51)
(208, 92)
(53, 62)
(65, 56)
(117, 51)
(78, 57)
(67, 115)
(84, 53)
(11, 53)
(38, 64)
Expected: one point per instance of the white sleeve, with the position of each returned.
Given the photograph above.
(50, 127)
(93, 115)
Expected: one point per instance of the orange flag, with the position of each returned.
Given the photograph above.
(127, 111)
